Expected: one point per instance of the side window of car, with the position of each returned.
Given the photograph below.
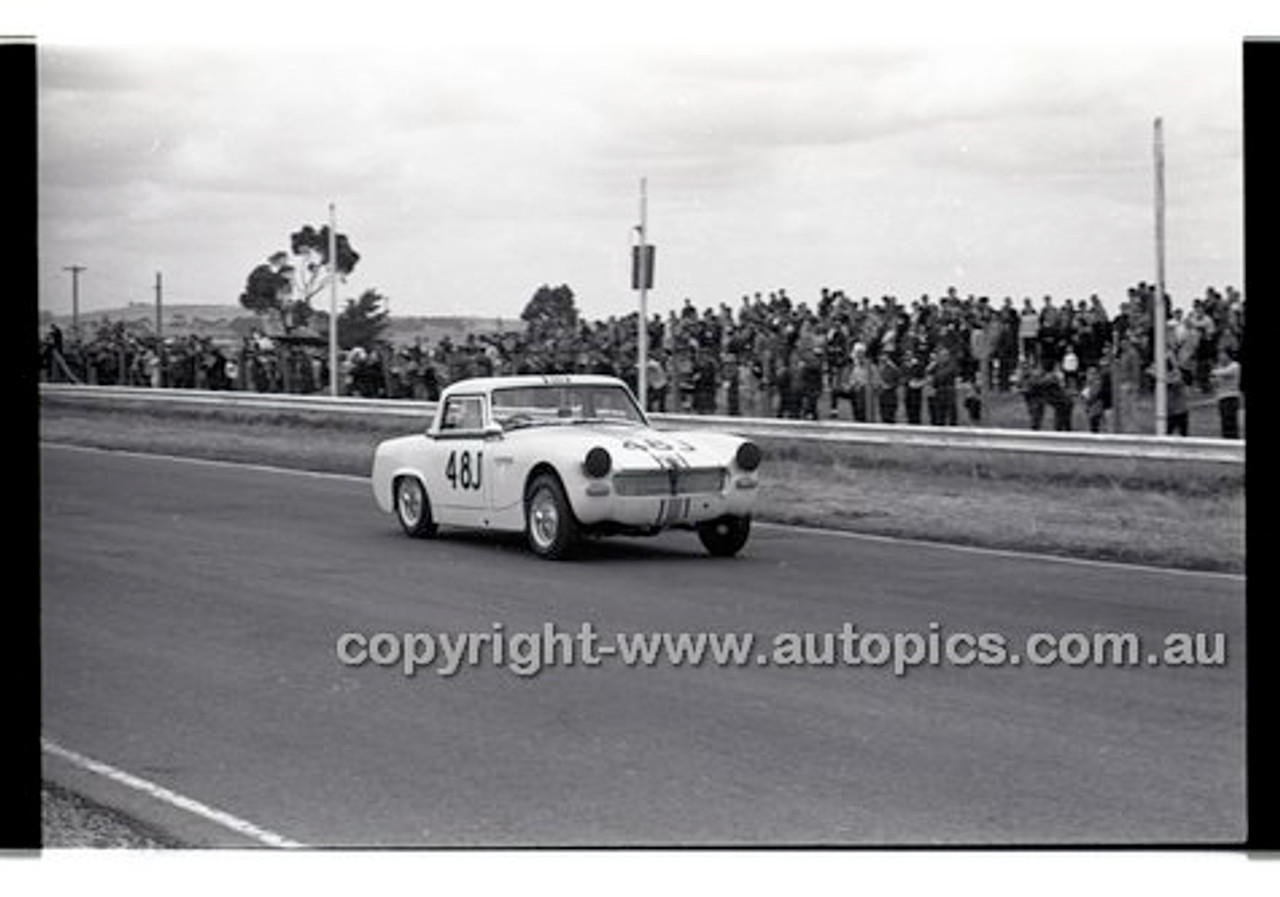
(463, 413)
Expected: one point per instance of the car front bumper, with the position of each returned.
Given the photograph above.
(598, 502)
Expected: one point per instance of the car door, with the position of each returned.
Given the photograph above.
(457, 478)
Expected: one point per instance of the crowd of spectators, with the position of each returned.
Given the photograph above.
(114, 354)
(931, 360)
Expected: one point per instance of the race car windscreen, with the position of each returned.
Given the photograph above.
(540, 405)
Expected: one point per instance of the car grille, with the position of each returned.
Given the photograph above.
(688, 480)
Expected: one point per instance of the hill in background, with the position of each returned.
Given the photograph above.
(433, 329)
(231, 321)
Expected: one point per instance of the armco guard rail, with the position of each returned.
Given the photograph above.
(1106, 445)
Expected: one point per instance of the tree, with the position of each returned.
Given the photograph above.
(550, 313)
(285, 283)
(362, 321)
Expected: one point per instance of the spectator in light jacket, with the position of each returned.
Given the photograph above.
(1226, 388)
(1029, 331)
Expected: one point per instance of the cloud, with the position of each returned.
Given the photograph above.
(466, 175)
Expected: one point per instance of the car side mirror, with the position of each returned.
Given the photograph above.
(493, 430)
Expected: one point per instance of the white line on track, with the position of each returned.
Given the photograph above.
(160, 793)
(210, 462)
(810, 530)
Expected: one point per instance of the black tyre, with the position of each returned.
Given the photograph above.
(413, 508)
(725, 536)
(550, 526)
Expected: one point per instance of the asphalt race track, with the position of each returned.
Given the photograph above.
(190, 613)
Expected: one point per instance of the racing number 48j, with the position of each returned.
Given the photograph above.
(461, 473)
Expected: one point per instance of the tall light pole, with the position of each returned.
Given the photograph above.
(1162, 400)
(75, 296)
(333, 300)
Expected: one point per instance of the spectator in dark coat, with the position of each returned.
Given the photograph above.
(1178, 411)
(1092, 396)
(890, 377)
(1031, 380)
(917, 377)
(1059, 398)
(945, 371)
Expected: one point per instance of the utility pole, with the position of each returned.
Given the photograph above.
(333, 300)
(159, 306)
(1162, 399)
(75, 297)
(642, 279)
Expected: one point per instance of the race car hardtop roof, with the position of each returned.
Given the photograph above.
(488, 384)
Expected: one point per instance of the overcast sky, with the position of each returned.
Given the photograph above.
(468, 173)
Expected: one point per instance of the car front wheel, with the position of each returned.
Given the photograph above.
(550, 526)
(413, 508)
(725, 536)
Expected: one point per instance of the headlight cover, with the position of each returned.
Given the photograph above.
(749, 456)
(597, 463)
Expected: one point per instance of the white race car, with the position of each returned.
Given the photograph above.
(562, 457)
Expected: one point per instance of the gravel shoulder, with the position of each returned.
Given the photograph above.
(70, 820)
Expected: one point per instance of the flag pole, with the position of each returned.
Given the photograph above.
(1161, 365)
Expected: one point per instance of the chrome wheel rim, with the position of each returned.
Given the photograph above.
(410, 503)
(544, 518)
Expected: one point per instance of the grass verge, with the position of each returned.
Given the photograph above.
(1175, 514)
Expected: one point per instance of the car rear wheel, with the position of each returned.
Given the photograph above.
(413, 508)
(550, 526)
(725, 536)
